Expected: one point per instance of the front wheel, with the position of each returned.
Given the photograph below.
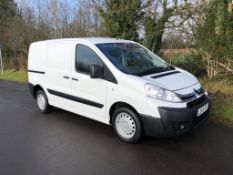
(42, 102)
(127, 125)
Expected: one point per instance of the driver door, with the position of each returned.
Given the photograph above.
(89, 94)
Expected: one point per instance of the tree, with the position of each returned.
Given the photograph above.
(87, 21)
(161, 15)
(8, 10)
(214, 36)
(176, 41)
(121, 18)
(214, 33)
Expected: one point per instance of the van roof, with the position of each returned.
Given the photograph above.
(92, 40)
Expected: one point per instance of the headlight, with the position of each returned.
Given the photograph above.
(160, 93)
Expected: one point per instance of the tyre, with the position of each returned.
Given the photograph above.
(42, 102)
(127, 125)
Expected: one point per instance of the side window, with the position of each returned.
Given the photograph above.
(85, 57)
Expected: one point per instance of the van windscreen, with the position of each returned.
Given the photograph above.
(133, 59)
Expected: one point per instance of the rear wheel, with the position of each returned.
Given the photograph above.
(42, 102)
(127, 125)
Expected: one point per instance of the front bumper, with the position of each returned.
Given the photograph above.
(175, 121)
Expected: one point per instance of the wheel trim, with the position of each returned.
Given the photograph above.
(41, 101)
(125, 125)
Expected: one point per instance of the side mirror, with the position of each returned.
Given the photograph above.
(96, 71)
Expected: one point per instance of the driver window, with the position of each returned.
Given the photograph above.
(85, 57)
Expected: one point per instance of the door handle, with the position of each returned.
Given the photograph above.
(75, 79)
(66, 77)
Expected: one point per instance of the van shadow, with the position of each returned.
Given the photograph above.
(101, 130)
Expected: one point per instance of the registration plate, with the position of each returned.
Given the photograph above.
(202, 110)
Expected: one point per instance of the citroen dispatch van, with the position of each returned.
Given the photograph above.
(117, 82)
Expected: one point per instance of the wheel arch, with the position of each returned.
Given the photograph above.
(118, 105)
(34, 89)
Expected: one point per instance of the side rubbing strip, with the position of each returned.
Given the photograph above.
(165, 74)
(37, 72)
(77, 99)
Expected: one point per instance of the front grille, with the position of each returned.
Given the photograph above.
(188, 97)
(192, 96)
(200, 91)
(196, 102)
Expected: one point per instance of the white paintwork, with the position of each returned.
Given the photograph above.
(57, 59)
(176, 81)
(58, 65)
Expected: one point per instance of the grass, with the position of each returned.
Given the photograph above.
(215, 86)
(222, 96)
(19, 76)
(220, 91)
(224, 114)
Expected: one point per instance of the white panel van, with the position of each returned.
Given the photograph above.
(117, 82)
